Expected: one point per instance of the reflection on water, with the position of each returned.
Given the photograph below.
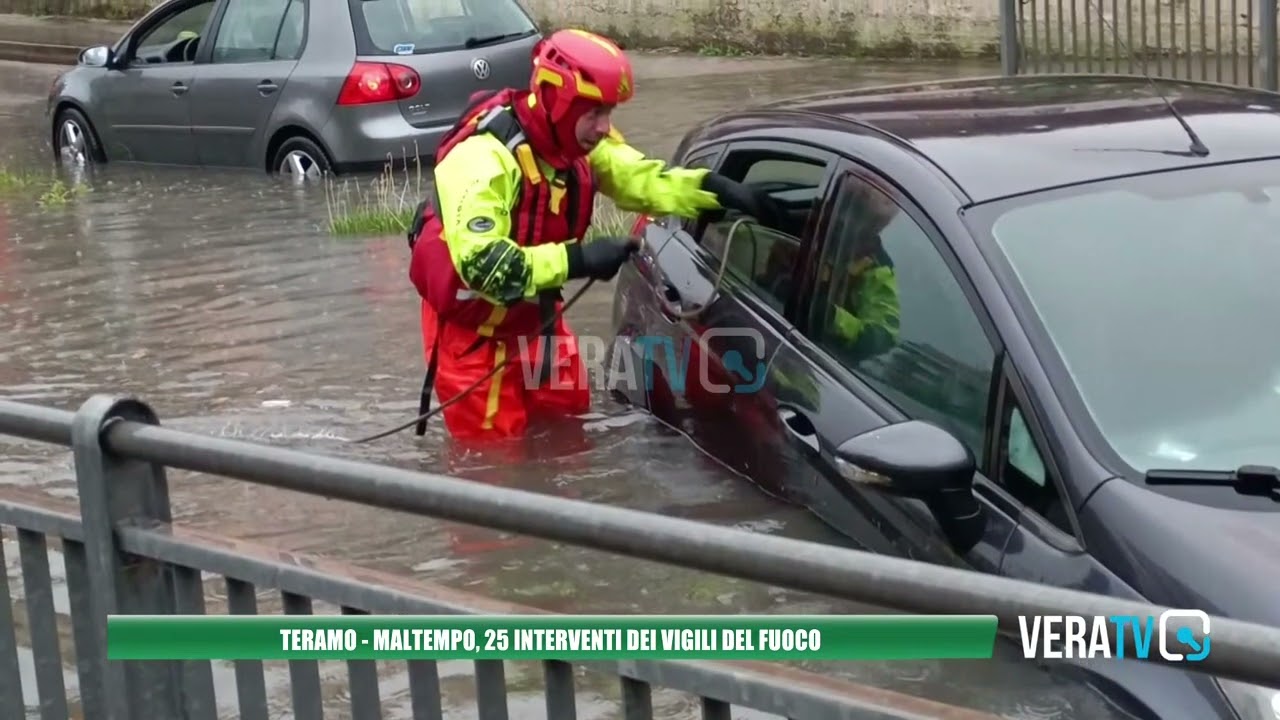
(220, 298)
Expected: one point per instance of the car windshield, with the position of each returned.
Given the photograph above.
(406, 27)
(1161, 295)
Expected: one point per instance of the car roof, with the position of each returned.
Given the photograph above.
(999, 136)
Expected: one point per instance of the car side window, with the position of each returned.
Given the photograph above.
(765, 257)
(1024, 474)
(292, 30)
(248, 31)
(149, 47)
(887, 306)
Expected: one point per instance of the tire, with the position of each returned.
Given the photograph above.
(74, 140)
(300, 159)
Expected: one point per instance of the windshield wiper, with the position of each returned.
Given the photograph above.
(1256, 480)
(477, 42)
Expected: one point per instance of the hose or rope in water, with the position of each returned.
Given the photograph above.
(467, 390)
(681, 314)
(671, 310)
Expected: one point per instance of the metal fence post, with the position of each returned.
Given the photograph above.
(1009, 36)
(115, 491)
(1267, 20)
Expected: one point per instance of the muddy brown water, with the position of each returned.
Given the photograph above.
(220, 298)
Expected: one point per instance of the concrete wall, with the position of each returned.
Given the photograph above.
(892, 28)
(880, 28)
(108, 9)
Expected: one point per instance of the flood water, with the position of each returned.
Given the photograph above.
(221, 299)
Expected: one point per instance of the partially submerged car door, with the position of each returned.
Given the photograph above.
(722, 353)
(146, 95)
(241, 73)
(887, 332)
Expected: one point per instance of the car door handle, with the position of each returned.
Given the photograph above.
(799, 427)
(670, 301)
(266, 87)
(179, 88)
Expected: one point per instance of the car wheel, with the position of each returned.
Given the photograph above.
(74, 142)
(300, 160)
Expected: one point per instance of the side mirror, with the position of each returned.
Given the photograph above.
(918, 460)
(96, 56)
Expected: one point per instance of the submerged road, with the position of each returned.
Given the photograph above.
(220, 298)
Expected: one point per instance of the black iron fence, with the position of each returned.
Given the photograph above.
(1226, 41)
(123, 555)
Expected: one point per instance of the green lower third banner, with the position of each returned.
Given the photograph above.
(540, 637)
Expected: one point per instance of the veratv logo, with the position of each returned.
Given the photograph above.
(740, 354)
(721, 361)
(1044, 637)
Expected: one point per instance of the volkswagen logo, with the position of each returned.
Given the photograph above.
(480, 67)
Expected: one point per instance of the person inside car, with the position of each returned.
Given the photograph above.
(515, 182)
(864, 300)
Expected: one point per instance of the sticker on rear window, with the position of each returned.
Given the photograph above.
(403, 49)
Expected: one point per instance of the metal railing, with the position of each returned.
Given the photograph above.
(1226, 41)
(123, 555)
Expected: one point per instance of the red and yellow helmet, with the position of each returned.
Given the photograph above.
(576, 64)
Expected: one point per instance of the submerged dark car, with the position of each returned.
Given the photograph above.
(1025, 326)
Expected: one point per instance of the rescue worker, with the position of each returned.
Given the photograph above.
(515, 184)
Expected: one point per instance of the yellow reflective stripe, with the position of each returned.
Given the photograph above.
(495, 386)
(587, 89)
(545, 75)
(528, 165)
(558, 191)
(496, 316)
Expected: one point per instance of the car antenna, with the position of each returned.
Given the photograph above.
(1198, 148)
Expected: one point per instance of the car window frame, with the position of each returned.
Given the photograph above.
(204, 55)
(807, 285)
(306, 32)
(1012, 393)
(124, 53)
(696, 227)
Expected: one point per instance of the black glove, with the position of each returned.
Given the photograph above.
(744, 199)
(599, 259)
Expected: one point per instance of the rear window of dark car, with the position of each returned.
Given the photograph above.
(414, 27)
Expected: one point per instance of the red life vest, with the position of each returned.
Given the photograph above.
(545, 210)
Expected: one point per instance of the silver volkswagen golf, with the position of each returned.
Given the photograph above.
(299, 87)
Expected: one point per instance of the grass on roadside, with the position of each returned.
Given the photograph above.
(49, 190)
(385, 205)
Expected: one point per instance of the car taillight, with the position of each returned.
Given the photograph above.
(370, 82)
(641, 221)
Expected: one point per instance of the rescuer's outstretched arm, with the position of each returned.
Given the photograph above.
(637, 183)
(641, 184)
